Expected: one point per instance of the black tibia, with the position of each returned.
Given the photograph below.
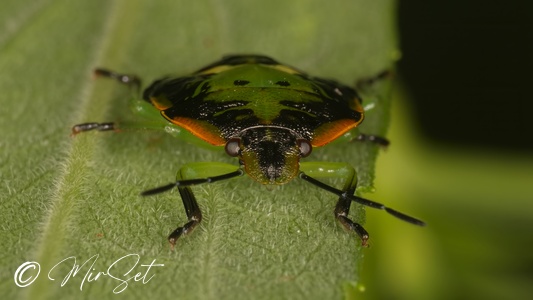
(378, 140)
(341, 213)
(92, 126)
(342, 209)
(192, 209)
(346, 196)
(365, 84)
(130, 80)
(193, 212)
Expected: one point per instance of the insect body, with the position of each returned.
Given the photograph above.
(267, 115)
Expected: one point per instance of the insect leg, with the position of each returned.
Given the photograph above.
(341, 213)
(347, 193)
(355, 136)
(78, 128)
(342, 208)
(130, 80)
(152, 116)
(378, 140)
(187, 177)
(194, 215)
(366, 83)
(160, 124)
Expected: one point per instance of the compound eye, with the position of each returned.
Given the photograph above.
(233, 147)
(305, 147)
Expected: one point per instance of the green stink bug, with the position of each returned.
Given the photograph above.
(266, 114)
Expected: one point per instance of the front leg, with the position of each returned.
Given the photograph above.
(309, 170)
(341, 213)
(194, 215)
(189, 175)
(342, 209)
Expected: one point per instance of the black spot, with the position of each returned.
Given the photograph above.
(241, 82)
(283, 83)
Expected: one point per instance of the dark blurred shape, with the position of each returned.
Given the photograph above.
(469, 68)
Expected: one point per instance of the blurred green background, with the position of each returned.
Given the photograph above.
(461, 154)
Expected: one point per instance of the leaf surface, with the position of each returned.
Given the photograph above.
(64, 196)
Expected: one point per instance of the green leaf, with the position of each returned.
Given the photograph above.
(64, 196)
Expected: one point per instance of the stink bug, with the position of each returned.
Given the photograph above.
(266, 114)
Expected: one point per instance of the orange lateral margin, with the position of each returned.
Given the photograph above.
(201, 129)
(330, 131)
